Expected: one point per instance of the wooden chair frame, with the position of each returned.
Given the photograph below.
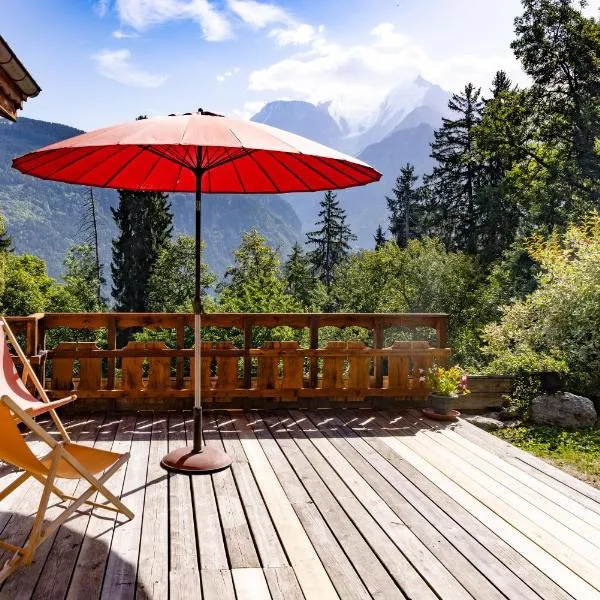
(30, 374)
(23, 555)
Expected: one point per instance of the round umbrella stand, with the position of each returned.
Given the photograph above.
(185, 460)
(196, 152)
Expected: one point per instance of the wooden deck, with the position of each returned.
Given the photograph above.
(348, 504)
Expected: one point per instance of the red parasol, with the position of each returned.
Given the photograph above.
(197, 152)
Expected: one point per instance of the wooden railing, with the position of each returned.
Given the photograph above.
(151, 374)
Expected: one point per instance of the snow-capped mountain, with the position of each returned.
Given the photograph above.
(399, 131)
(403, 100)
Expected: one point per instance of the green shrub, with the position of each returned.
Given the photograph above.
(556, 327)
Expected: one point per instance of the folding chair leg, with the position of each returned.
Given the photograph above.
(36, 537)
(9, 489)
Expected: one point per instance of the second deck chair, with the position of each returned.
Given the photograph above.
(64, 461)
(14, 386)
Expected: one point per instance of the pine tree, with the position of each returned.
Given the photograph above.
(404, 207)
(145, 226)
(331, 241)
(89, 227)
(456, 176)
(380, 238)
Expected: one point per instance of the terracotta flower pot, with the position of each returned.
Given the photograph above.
(442, 404)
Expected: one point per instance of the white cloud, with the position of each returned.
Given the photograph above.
(143, 14)
(258, 14)
(298, 35)
(387, 36)
(116, 64)
(221, 77)
(119, 34)
(356, 78)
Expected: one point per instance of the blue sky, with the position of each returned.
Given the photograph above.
(101, 62)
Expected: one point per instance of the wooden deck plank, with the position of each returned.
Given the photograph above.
(217, 584)
(477, 566)
(269, 547)
(250, 584)
(283, 584)
(121, 569)
(311, 574)
(184, 573)
(432, 466)
(564, 483)
(211, 541)
(62, 558)
(89, 571)
(344, 514)
(21, 584)
(333, 556)
(570, 549)
(567, 514)
(238, 539)
(153, 563)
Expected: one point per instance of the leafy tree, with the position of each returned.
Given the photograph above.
(559, 49)
(455, 178)
(380, 238)
(28, 287)
(254, 282)
(145, 225)
(82, 280)
(331, 241)
(423, 277)
(404, 207)
(301, 284)
(5, 240)
(172, 282)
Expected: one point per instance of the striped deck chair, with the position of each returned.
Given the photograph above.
(13, 385)
(65, 460)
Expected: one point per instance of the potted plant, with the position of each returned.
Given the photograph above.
(445, 387)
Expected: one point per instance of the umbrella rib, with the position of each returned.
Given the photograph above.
(149, 171)
(297, 157)
(237, 173)
(275, 156)
(265, 173)
(229, 159)
(124, 166)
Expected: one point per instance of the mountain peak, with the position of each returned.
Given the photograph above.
(420, 81)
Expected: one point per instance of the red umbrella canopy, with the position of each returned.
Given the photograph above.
(166, 153)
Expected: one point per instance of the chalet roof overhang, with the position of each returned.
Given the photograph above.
(16, 84)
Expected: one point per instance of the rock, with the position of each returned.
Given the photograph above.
(563, 409)
(486, 422)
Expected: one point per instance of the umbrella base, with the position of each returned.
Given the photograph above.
(185, 460)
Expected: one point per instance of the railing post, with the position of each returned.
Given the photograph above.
(442, 332)
(112, 345)
(378, 343)
(248, 324)
(314, 345)
(180, 333)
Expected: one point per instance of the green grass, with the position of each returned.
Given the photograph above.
(577, 452)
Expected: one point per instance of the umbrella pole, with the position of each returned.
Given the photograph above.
(198, 458)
